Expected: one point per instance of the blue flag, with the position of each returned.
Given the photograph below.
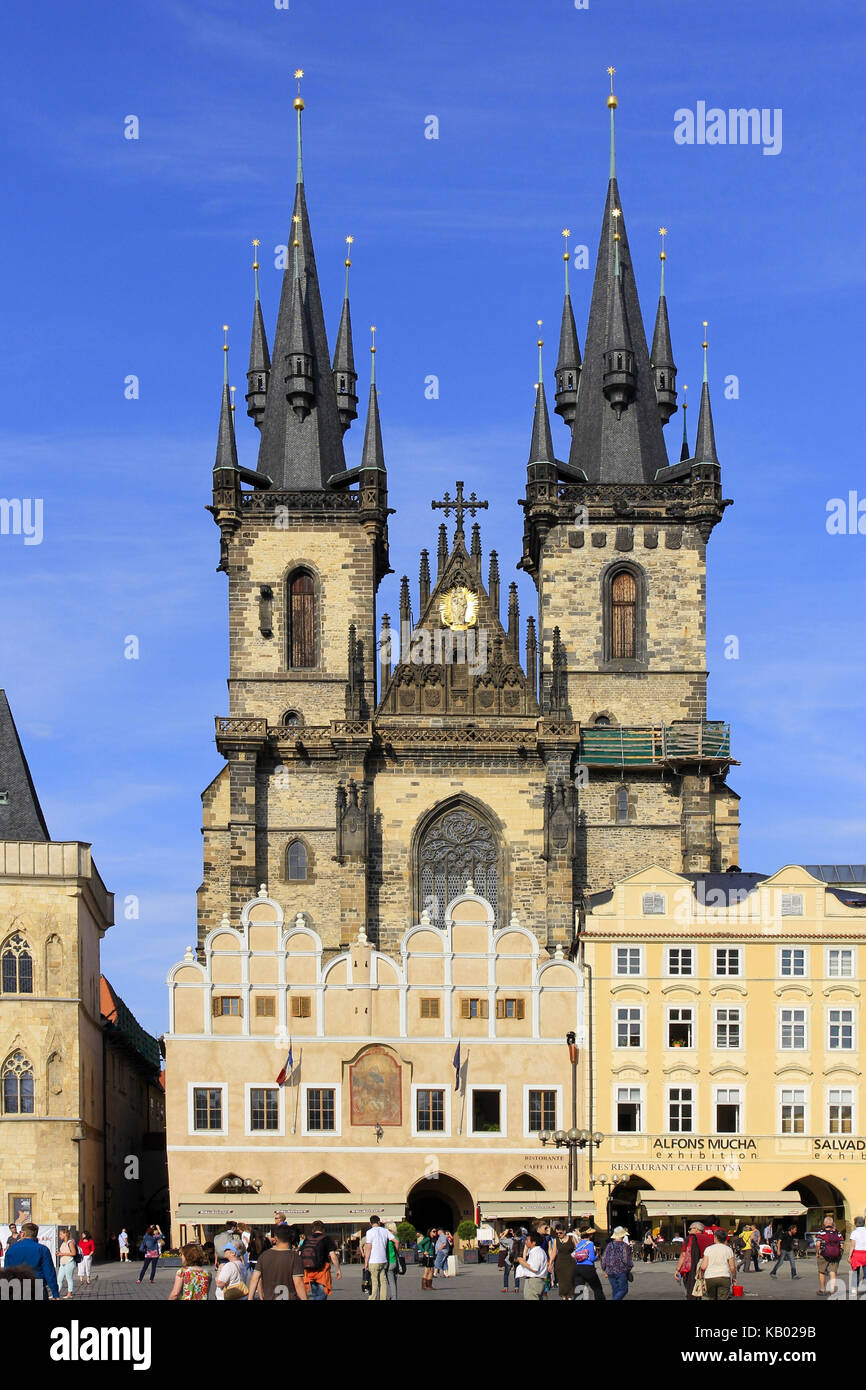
(457, 1068)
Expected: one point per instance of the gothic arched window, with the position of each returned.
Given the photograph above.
(296, 861)
(623, 596)
(17, 1079)
(622, 806)
(456, 845)
(301, 619)
(17, 966)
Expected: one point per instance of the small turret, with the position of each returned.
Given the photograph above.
(493, 582)
(424, 581)
(684, 451)
(705, 444)
(475, 547)
(259, 371)
(532, 656)
(227, 450)
(567, 372)
(442, 550)
(373, 455)
(345, 376)
(662, 363)
(618, 380)
(300, 383)
(513, 632)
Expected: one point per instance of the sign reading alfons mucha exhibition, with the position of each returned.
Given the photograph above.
(728, 1153)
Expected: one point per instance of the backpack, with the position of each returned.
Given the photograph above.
(311, 1256)
(831, 1246)
(583, 1252)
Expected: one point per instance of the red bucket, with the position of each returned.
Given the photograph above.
(736, 1290)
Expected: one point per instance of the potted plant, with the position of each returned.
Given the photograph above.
(407, 1235)
(466, 1233)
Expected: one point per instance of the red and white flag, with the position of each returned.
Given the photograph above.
(286, 1072)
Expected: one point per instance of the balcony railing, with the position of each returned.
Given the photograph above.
(615, 746)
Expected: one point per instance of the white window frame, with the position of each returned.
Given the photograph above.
(431, 1086)
(631, 975)
(842, 1090)
(337, 1088)
(842, 1008)
(642, 1024)
(722, 946)
(681, 1086)
(627, 1086)
(540, 1086)
(669, 1047)
(192, 1087)
(793, 1009)
(852, 951)
(741, 1091)
(793, 1090)
(503, 1110)
(729, 1008)
(653, 912)
(790, 975)
(681, 975)
(249, 1087)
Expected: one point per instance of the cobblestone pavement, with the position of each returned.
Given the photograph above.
(651, 1282)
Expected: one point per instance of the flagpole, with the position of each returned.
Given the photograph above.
(297, 1092)
(465, 1069)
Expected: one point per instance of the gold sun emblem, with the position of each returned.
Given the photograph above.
(458, 609)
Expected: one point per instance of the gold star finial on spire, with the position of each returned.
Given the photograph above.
(566, 232)
(299, 100)
(705, 343)
(611, 101)
(256, 244)
(226, 343)
(373, 332)
(348, 260)
(616, 214)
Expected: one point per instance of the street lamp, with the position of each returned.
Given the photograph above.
(608, 1183)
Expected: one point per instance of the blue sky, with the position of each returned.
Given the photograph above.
(125, 257)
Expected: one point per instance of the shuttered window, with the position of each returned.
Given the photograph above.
(509, 1008)
(429, 1008)
(300, 1006)
(265, 1006)
(302, 625)
(473, 1008)
(623, 613)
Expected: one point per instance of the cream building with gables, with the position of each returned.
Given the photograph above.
(371, 1117)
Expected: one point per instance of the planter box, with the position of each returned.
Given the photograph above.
(470, 1257)
(170, 1263)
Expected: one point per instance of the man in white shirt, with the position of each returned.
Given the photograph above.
(532, 1267)
(376, 1258)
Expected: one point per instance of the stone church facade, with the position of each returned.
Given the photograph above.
(540, 762)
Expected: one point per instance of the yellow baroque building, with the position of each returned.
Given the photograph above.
(375, 1115)
(724, 1067)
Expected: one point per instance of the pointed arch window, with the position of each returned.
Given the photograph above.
(624, 616)
(18, 1089)
(456, 846)
(17, 965)
(622, 806)
(296, 861)
(301, 612)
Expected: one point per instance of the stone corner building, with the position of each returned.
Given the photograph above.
(541, 763)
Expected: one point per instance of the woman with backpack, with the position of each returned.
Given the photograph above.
(584, 1256)
(396, 1262)
(321, 1261)
(149, 1250)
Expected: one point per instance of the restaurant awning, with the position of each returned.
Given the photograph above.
(334, 1208)
(502, 1205)
(707, 1203)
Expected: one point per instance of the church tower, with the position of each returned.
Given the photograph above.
(615, 540)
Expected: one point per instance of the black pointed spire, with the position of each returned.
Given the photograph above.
(493, 581)
(300, 449)
(618, 379)
(705, 444)
(226, 450)
(662, 355)
(442, 550)
(684, 451)
(424, 581)
(258, 373)
(345, 376)
(475, 546)
(541, 444)
(532, 656)
(513, 634)
(630, 448)
(567, 372)
(21, 815)
(373, 455)
(405, 601)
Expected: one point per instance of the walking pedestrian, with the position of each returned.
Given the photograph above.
(785, 1251)
(87, 1248)
(442, 1251)
(718, 1267)
(690, 1257)
(857, 1254)
(192, 1281)
(321, 1263)
(123, 1246)
(563, 1263)
(648, 1248)
(66, 1255)
(617, 1261)
(27, 1251)
(506, 1241)
(279, 1272)
(425, 1248)
(585, 1255)
(149, 1250)
(376, 1259)
(395, 1260)
(828, 1254)
(230, 1282)
(532, 1269)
